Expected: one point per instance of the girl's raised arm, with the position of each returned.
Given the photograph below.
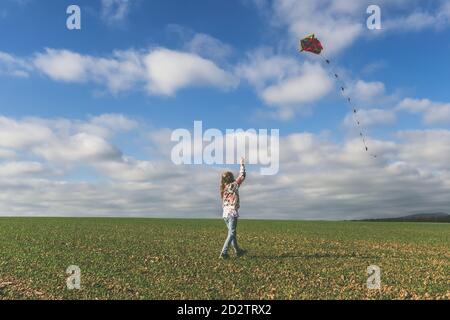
(242, 173)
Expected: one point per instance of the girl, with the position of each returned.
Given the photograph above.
(229, 191)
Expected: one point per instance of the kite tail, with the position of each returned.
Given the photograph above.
(355, 111)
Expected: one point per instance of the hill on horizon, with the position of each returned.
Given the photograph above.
(418, 217)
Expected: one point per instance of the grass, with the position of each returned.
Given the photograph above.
(178, 259)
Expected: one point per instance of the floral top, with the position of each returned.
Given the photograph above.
(230, 202)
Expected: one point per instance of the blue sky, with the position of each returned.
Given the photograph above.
(30, 26)
(90, 111)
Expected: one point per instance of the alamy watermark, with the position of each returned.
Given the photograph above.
(374, 279)
(73, 21)
(374, 20)
(258, 147)
(74, 279)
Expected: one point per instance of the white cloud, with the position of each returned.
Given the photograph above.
(114, 11)
(289, 85)
(374, 67)
(114, 121)
(81, 147)
(370, 117)
(334, 22)
(283, 82)
(119, 72)
(129, 169)
(159, 71)
(414, 105)
(426, 149)
(63, 65)
(208, 47)
(432, 112)
(169, 70)
(415, 21)
(263, 68)
(14, 66)
(339, 23)
(318, 179)
(21, 134)
(312, 84)
(14, 169)
(62, 140)
(367, 91)
(7, 153)
(421, 19)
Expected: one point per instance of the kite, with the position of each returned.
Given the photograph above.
(313, 45)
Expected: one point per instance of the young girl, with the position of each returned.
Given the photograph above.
(229, 191)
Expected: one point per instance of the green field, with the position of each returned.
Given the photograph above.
(178, 259)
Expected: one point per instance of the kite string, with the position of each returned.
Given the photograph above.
(350, 103)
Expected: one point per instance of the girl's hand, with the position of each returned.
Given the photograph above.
(242, 161)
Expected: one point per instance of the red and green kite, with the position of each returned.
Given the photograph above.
(311, 44)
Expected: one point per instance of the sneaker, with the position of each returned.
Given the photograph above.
(241, 252)
(224, 256)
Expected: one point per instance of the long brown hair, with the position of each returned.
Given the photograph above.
(227, 178)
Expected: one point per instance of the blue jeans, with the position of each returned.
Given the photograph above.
(231, 223)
